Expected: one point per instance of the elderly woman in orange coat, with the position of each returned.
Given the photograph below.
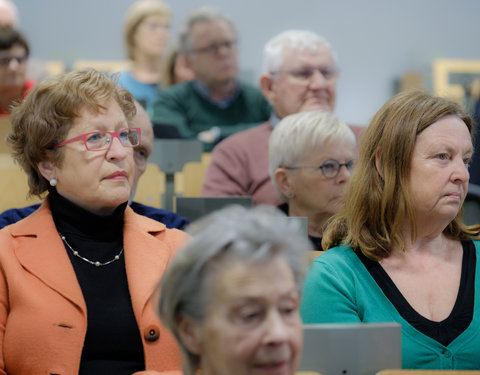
(77, 276)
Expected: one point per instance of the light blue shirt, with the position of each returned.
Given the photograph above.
(144, 93)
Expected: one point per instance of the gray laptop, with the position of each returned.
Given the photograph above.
(351, 348)
(195, 207)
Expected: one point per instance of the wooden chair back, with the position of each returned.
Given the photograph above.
(109, 66)
(189, 181)
(13, 185)
(5, 129)
(151, 186)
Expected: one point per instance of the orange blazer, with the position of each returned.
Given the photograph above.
(43, 316)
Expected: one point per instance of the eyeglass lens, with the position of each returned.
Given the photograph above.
(100, 140)
(307, 73)
(215, 48)
(5, 60)
(331, 168)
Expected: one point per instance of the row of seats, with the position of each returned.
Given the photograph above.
(188, 182)
(14, 185)
(57, 66)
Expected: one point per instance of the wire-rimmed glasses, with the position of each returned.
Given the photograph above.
(330, 168)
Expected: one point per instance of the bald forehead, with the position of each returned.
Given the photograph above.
(8, 14)
(142, 121)
(321, 55)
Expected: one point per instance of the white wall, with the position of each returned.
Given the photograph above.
(376, 40)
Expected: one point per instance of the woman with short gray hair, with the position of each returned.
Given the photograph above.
(307, 153)
(231, 294)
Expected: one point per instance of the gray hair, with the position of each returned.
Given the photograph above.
(203, 14)
(303, 133)
(294, 39)
(235, 233)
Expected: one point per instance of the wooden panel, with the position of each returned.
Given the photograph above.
(102, 65)
(190, 180)
(443, 68)
(55, 67)
(13, 185)
(151, 186)
(5, 129)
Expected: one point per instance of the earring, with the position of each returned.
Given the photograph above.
(290, 195)
(53, 181)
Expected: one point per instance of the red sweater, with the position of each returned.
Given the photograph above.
(26, 89)
(239, 166)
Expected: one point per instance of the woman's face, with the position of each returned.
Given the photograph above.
(152, 35)
(98, 181)
(438, 179)
(252, 324)
(313, 193)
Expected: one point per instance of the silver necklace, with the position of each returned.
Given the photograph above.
(97, 263)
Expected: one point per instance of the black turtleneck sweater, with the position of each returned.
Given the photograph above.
(113, 343)
(316, 241)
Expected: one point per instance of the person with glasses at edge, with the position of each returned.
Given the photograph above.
(141, 154)
(14, 52)
(77, 276)
(300, 74)
(215, 104)
(311, 157)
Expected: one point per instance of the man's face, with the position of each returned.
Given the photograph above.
(214, 55)
(292, 90)
(13, 66)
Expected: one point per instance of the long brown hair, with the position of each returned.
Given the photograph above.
(376, 205)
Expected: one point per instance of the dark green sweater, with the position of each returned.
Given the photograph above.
(181, 105)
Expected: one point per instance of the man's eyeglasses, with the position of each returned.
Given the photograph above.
(102, 140)
(305, 74)
(214, 48)
(330, 168)
(6, 60)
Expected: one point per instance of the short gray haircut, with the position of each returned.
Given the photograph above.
(203, 14)
(235, 233)
(301, 134)
(294, 39)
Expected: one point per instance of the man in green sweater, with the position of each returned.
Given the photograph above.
(215, 104)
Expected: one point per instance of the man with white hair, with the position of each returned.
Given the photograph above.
(8, 13)
(300, 74)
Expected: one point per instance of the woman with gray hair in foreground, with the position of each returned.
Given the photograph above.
(231, 295)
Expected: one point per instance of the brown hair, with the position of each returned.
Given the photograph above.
(375, 205)
(46, 115)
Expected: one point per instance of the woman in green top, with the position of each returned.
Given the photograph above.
(399, 250)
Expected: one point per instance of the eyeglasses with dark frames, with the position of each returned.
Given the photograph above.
(102, 140)
(6, 60)
(306, 74)
(330, 168)
(214, 48)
